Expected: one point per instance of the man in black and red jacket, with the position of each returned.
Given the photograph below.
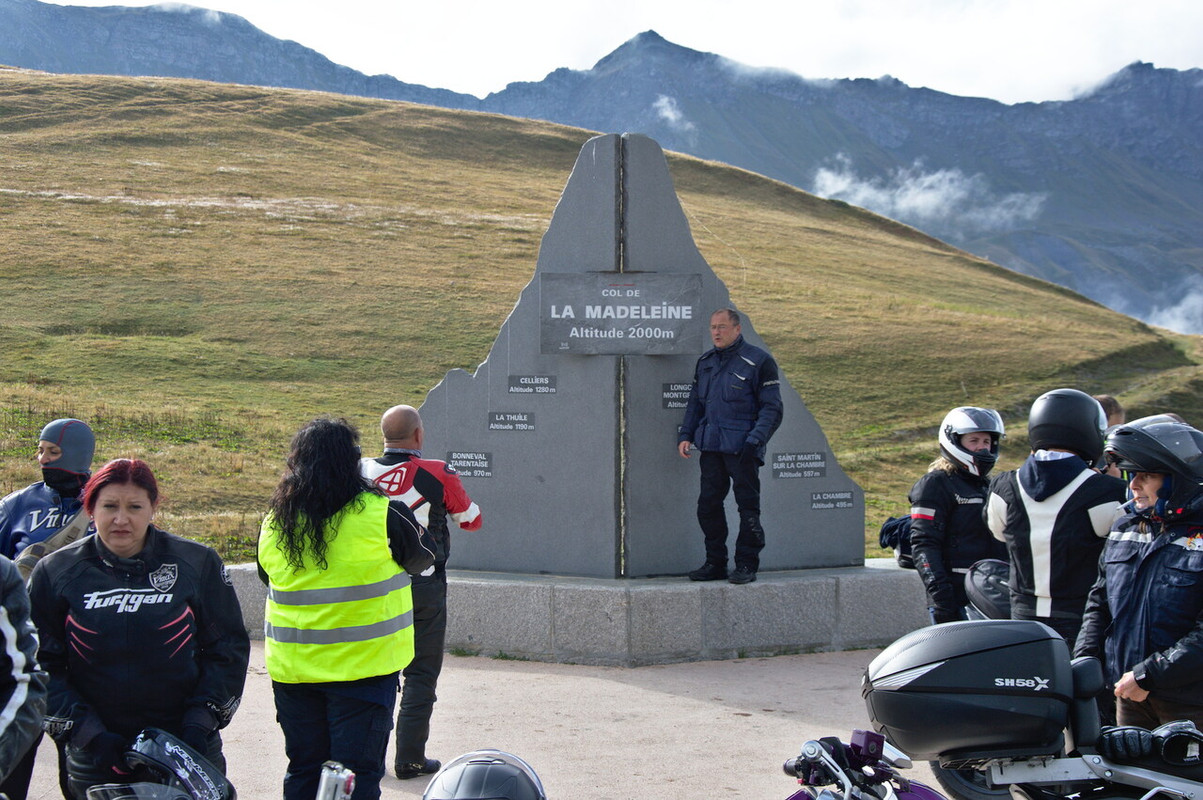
(433, 491)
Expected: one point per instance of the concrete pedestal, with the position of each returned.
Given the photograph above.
(634, 622)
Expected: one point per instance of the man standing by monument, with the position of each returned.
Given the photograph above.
(734, 407)
(433, 491)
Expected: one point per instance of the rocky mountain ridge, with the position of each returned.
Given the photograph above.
(1101, 194)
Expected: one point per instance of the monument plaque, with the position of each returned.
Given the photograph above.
(566, 434)
(604, 314)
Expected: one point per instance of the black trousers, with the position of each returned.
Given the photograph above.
(420, 678)
(321, 725)
(16, 785)
(721, 473)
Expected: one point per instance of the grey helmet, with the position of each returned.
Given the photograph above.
(1067, 419)
(485, 774)
(970, 419)
(1166, 446)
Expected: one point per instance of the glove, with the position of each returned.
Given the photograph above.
(196, 737)
(750, 451)
(941, 614)
(1125, 743)
(108, 749)
(1179, 743)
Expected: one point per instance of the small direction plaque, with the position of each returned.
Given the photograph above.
(675, 395)
(532, 384)
(471, 464)
(825, 501)
(787, 466)
(511, 421)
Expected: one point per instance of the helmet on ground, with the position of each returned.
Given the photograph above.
(1066, 419)
(486, 775)
(1163, 445)
(970, 419)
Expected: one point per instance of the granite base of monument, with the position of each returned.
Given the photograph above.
(637, 622)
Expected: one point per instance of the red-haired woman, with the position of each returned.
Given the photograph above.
(139, 628)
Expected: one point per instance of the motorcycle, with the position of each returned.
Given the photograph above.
(1001, 697)
(987, 586)
(866, 768)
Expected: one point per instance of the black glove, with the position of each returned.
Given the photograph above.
(108, 749)
(1125, 743)
(196, 737)
(750, 452)
(939, 616)
(1180, 743)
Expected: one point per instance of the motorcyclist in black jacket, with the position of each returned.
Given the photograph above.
(138, 628)
(948, 533)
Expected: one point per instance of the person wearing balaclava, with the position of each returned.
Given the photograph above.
(37, 512)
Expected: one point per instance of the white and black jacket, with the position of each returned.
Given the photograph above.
(22, 681)
(1053, 513)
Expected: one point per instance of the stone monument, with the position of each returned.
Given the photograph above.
(566, 434)
(566, 437)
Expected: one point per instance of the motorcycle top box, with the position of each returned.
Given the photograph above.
(955, 690)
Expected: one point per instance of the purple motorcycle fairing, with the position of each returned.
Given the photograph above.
(914, 791)
(919, 791)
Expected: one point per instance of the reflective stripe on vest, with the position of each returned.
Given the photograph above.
(357, 633)
(340, 594)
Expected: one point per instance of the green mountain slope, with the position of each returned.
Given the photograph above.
(199, 268)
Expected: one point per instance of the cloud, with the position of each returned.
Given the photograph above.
(207, 15)
(667, 110)
(944, 202)
(1184, 316)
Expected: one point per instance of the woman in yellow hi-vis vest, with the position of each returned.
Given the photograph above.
(335, 553)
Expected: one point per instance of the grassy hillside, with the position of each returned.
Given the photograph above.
(198, 268)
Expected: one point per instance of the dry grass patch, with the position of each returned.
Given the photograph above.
(199, 268)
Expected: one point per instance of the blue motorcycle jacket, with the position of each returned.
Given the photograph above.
(735, 400)
(1145, 612)
(33, 514)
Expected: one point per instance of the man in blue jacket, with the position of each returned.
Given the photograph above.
(37, 512)
(734, 407)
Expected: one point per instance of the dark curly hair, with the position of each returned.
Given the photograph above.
(322, 480)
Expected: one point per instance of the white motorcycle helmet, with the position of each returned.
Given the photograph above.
(486, 775)
(970, 419)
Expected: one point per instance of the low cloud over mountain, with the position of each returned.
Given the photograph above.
(944, 202)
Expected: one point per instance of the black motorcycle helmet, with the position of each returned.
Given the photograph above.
(1164, 445)
(135, 791)
(1066, 419)
(486, 775)
(178, 766)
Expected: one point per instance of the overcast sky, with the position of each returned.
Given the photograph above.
(1008, 50)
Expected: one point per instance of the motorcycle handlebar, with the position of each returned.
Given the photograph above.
(815, 754)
